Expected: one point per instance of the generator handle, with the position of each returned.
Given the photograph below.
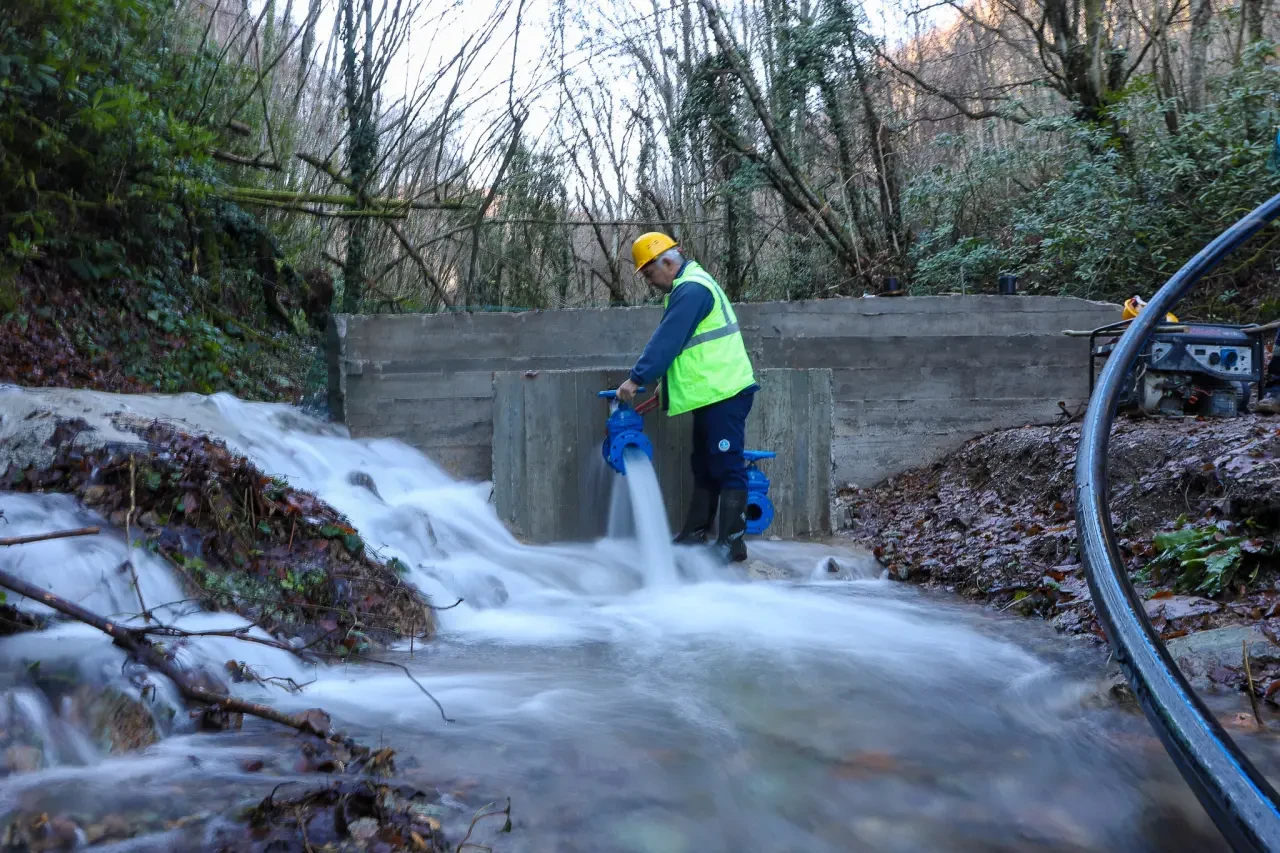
(1115, 327)
(1258, 330)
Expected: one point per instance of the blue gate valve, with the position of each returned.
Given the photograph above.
(759, 507)
(624, 429)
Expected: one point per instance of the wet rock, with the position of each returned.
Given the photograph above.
(15, 621)
(41, 426)
(1224, 646)
(1171, 614)
(1114, 689)
(1218, 654)
(832, 569)
(39, 833)
(428, 813)
(487, 592)
(111, 828)
(94, 495)
(758, 570)
(22, 758)
(362, 478)
(116, 721)
(317, 720)
(363, 830)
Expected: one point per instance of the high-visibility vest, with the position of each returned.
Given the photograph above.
(714, 364)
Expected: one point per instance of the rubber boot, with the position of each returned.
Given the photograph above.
(1270, 403)
(731, 544)
(697, 524)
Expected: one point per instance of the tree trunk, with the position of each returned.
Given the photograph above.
(791, 183)
(846, 169)
(1255, 12)
(733, 250)
(1198, 52)
(357, 231)
(886, 162)
(1082, 74)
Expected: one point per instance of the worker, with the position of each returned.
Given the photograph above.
(1269, 402)
(698, 354)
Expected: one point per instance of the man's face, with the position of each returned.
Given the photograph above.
(660, 274)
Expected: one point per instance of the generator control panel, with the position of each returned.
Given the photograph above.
(1225, 361)
(1223, 352)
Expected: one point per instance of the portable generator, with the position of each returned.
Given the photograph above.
(1186, 369)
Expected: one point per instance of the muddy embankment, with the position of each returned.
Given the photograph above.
(235, 541)
(1195, 505)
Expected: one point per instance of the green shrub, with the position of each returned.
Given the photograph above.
(1102, 212)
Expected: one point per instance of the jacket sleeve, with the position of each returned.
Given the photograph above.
(688, 306)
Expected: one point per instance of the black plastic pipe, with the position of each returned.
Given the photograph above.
(1237, 797)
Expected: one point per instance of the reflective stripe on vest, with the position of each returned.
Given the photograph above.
(722, 332)
(730, 326)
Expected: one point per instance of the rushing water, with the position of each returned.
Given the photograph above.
(643, 499)
(626, 695)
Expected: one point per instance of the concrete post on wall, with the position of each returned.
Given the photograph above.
(551, 483)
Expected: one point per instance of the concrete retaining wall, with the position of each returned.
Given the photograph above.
(912, 378)
(551, 484)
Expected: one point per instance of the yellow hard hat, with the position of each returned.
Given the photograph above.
(1134, 306)
(649, 246)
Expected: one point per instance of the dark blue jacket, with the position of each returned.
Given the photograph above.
(686, 308)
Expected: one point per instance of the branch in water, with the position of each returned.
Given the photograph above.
(44, 537)
(313, 722)
(409, 676)
(480, 815)
(134, 641)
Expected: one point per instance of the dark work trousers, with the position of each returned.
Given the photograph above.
(719, 436)
(1271, 379)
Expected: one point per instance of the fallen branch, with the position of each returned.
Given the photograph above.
(1248, 674)
(136, 643)
(128, 536)
(42, 537)
(1258, 330)
(409, 676)
(479, 816)
(422, 265)
(320, 212)
(324, 166)
(238, 160)
(1069, 416)
(291, 196)
(241, 633)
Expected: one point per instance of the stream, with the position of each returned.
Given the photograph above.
(626, 698)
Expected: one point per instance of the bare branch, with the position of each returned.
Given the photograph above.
(259, 162)
(44, 537)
